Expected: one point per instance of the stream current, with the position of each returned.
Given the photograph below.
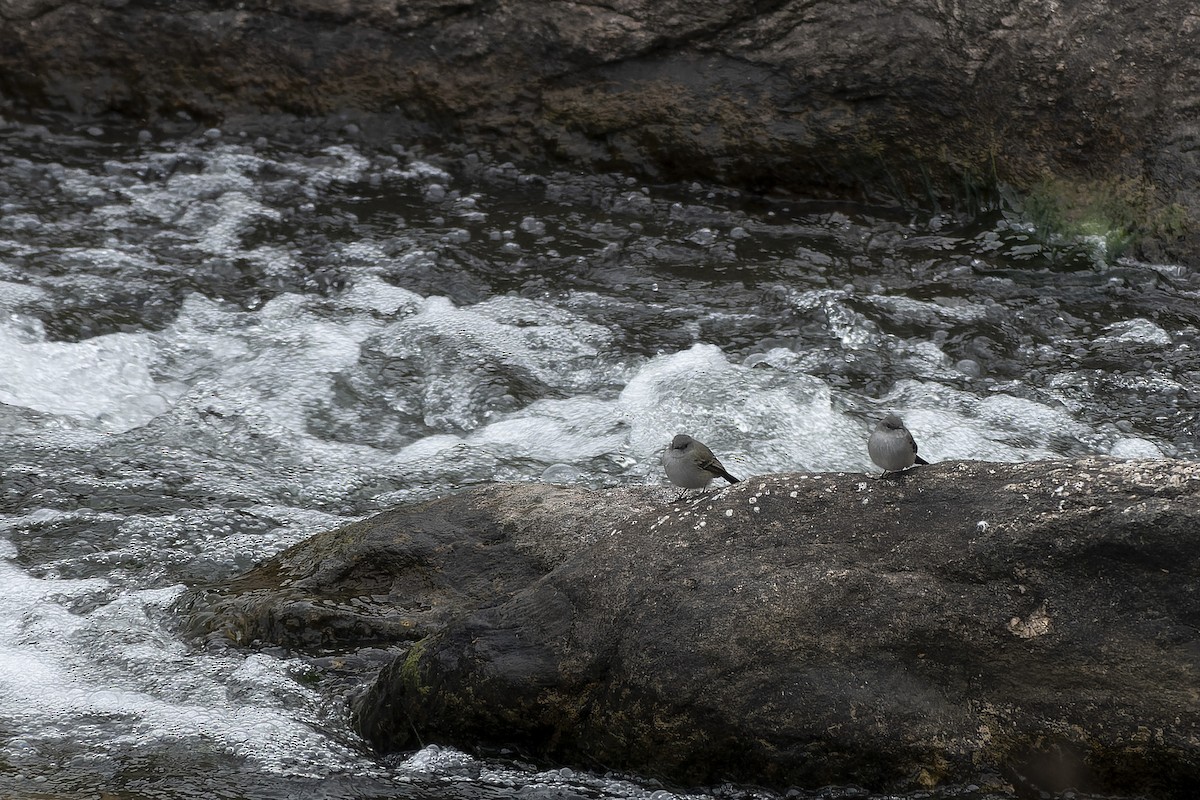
(215, 343)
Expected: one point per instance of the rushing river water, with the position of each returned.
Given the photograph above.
(214, 344)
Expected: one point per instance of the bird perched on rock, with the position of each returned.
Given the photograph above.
(891, 446)
(691, 465)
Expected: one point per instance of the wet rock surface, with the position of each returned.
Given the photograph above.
(1037, 623)
(404, 574)
(921, 101)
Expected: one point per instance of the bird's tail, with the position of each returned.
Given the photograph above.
(921, 461)
(719, 471)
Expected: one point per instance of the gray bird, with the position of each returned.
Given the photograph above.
(691, 465)
(891, 446)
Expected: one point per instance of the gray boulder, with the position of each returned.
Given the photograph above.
(1092, 105)
(403, 574)
(1036, 623)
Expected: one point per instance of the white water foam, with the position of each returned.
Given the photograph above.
(758, 420)
(104, 380)
(80, 664)
(219, 376)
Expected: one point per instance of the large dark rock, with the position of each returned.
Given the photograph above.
(406, 573)
(1039, 621)
(924, 100)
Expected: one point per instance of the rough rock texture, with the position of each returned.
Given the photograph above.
(923, 100)
(403, 574)
(1040, 621)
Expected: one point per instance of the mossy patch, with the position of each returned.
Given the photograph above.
(410, 670)
(1117, 213)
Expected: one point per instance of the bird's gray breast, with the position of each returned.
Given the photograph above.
(683, 471)
(892, 450)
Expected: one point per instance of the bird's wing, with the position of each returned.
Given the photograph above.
(714, 466)
(916, 458)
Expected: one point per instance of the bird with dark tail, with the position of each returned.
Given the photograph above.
(892, 447)
(691, 465)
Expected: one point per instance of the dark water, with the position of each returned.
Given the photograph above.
(213, 345)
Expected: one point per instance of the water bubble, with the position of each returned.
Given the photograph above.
(969, 367)
(1135, 447)
(533, 225)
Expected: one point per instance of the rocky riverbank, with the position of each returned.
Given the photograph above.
(1088, 109)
